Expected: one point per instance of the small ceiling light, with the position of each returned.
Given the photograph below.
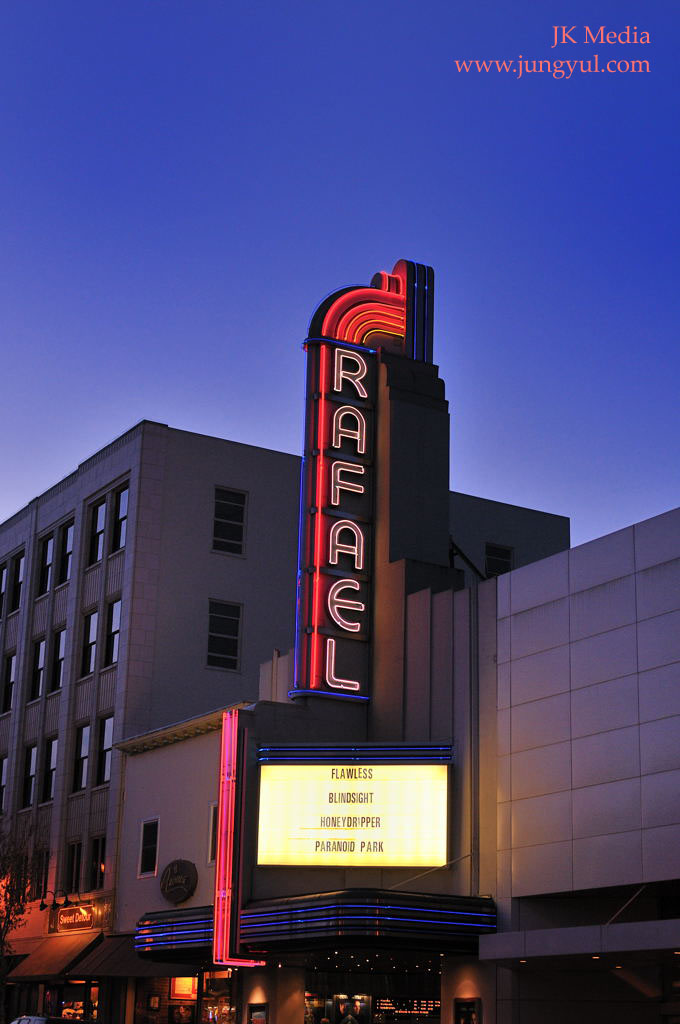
(595, 958)
(522, 961)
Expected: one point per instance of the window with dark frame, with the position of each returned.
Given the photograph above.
(65, 552)
(30, 768)
(148, 847)
(97, 862)
(112, 633)
(120, 513)
(3, 587)
(97, 527)
(90, 624)
(40, 867)
(58, 655)
(229, 523)
(9, 679)
(224, 624)
(37, 669)
(45, 564)
(498, 559)
(74, 857)
(212, 841)
(16, 581)
(3, 784)
(49, 769)
(104, 750)
(82, 756)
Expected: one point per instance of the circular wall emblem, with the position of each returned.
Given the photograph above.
(179, 881)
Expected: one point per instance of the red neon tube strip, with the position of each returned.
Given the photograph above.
(224, 860)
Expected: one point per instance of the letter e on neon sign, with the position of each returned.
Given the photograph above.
(336, 602)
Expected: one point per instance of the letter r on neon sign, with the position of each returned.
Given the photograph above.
(352, 367)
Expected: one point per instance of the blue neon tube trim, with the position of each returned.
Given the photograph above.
(373, 760)
(364, 917)
(174, 944)
(370, 913)
(164, 923)
(176, 924)
(371, 910)
(323, 693)
(184, 931)
(364, 748)
(347, 344)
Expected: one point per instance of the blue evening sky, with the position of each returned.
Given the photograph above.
(182, 181)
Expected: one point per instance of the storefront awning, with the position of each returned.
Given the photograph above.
(24, 946)
(115, 957)
(54, 956)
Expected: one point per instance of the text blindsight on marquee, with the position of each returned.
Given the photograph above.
(339, 474)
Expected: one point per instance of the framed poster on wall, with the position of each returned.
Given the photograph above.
(467, 1011)
(258, 1013)
(183, 988)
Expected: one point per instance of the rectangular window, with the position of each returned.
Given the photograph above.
(65, 554)
(498, 560)
(97, 525)
(120, 511)
(112, 633)
(9, 679)
(74, 856)
(58, 654)
(16, 581)
(30, 767)
(3, 785)
(97, 862)
(40, 868)
(82, 756)
(104, 750)
(230, 518)
(45, 567)
(223, 634)
(89, 643)
(49, 769)
(148, 848)
(3, 587)
(212, 835)
(37, 670)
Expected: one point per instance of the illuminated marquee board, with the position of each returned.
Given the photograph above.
(339, 471)
(368, 815)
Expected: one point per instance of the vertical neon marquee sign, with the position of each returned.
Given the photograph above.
(224, 858)
(348, 332)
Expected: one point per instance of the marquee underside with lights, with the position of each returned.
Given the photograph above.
(368, 918)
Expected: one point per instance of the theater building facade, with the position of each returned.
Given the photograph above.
(451, 802)
(456, 798)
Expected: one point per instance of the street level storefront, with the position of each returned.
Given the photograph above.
(45, 979)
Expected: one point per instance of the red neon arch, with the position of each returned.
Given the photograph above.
(360, 314)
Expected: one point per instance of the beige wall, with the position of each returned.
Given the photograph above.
(176, 784)
(588, 715)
